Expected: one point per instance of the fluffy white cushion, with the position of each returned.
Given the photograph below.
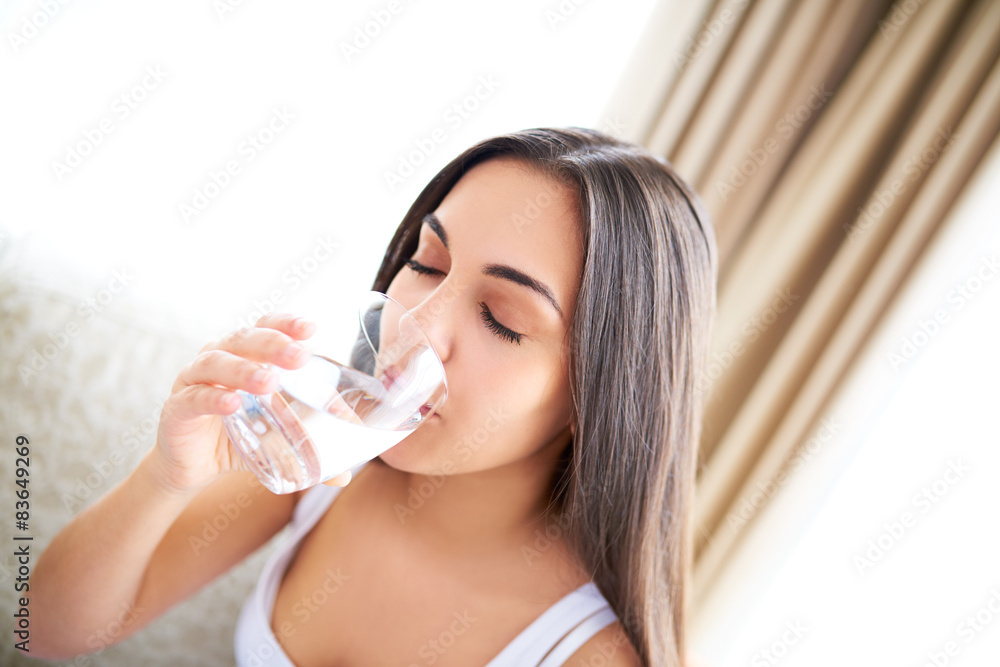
(86, 388)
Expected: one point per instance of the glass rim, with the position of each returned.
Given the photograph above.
(420, 328)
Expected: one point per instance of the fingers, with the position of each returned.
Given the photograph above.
(202, 399)
(296, 327)
(218, 367)
(343, 479)
(273, 340)
(239, 361)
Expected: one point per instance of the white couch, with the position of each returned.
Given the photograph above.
(85, 387)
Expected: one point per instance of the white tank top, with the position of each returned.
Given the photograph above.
(549, 641)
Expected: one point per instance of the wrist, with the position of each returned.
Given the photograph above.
(156, 471)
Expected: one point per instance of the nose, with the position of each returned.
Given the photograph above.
(435, 316)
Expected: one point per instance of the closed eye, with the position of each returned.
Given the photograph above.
(491, 322)
(414, 265)
(500, 330)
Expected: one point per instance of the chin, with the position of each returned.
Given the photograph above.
(413, 454)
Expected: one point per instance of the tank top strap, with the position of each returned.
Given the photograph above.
(577, 637)
(313, 502)
(308, 511)
(317, 499)
(254, 643)
(565, 621)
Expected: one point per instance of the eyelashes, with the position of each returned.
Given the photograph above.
(416, 266)
(497, 328)
(491, 322)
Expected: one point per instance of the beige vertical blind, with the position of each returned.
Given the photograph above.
(828, 139)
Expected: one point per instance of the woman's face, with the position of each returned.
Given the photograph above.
(493, 282)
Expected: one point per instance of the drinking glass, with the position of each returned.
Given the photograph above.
(328, 417)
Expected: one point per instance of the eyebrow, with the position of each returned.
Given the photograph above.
(432, 221)
(499, 270)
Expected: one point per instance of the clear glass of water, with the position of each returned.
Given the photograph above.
(328, 417)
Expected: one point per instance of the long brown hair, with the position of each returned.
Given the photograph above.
(639, 342)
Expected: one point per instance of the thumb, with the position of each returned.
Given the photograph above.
(343, 479)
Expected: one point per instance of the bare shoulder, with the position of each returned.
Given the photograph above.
(609, 647)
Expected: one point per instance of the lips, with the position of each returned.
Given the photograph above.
(425, 408)
(389, 377)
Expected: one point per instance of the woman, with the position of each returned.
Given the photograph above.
(567, 281)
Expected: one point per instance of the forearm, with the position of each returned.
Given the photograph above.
(85, 585)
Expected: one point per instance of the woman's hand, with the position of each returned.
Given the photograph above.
(80, 584)
(192, 447)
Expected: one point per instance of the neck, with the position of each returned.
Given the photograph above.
(482, 512)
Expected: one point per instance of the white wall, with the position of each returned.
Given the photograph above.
(225, 69)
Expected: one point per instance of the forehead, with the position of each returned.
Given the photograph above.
(505, 211)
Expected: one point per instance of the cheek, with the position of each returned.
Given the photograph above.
(498, 411)
(503, 411)
(504, 403)
(531, 393)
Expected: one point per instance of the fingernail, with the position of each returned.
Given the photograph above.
(263, 376)
(292, 351)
